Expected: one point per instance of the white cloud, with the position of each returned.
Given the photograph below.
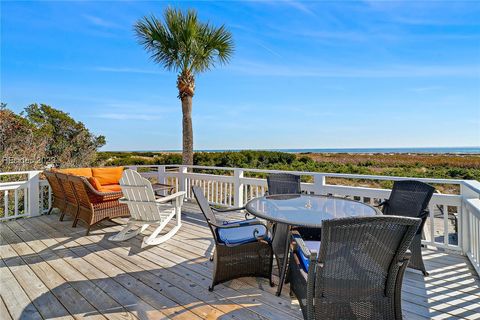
(97, 21)
(387, 71)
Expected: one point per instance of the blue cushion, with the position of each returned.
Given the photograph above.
(304, 260)
(243, 234)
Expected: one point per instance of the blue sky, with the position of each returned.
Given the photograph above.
(304, 74)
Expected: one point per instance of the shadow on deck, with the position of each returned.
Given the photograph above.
(50, 270)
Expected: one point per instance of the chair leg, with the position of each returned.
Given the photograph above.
(75, 221)
(62, 216)
(50, 211)
(212, 254)
(210, 288)
(416, 261)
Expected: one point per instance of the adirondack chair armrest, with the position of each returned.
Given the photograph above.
(171, 197)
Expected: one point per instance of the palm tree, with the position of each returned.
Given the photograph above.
(185, 45)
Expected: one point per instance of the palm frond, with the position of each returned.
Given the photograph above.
(182, 43)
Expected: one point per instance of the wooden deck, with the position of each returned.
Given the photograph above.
(49, 270)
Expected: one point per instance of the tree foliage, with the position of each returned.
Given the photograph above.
(182, 43)
(42, 135)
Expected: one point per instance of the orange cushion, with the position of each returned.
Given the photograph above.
(110, 188)
(108, 175)
(84, 172)
(95, 183)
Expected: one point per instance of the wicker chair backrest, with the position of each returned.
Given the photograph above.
(67, 188)
(206, 210)
(408, 198)
(283, 183)
(57, 189)
(80, 190)
(358, 263)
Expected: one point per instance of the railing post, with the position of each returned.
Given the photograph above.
(182, 179)
(161, 174)
(237, 187)
(464, 223)
(319, 184)
(34, 193)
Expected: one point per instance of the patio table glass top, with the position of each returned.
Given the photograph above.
(307, 210)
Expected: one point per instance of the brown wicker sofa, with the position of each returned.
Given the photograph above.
(75, 196)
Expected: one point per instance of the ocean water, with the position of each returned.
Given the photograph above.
(460, 150)
(449, 150)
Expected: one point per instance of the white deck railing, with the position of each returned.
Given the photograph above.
(454, 222)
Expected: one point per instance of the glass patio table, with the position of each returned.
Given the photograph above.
(301, 210)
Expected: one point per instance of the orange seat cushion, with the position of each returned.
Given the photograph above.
(110, 188)
(84, 172)
(108, 175)
(95, 183)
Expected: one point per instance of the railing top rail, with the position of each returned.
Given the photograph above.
(473, 185)
(11, 173)
(332, 175)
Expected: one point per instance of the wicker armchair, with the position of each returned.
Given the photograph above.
(96, 206)
(410, 199)
(242, 248)
(359, 269)
(71, 205)
(58, 195)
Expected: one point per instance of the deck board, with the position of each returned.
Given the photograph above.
(52, 270)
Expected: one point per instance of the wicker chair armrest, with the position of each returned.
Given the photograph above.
(170, 197)
(101, 196)
(382, 204)
(250, 222)
(406, 258)
(225, 210)
(424, 214)
(297, 243)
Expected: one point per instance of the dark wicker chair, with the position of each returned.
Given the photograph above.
(71, 206)
(281, 183)
(242, 248)
(58, 195)
(359, 269)
(96, 206)
(410, 199)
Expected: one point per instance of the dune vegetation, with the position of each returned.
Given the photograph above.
(446, 166)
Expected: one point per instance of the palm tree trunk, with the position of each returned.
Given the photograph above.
(187, 154)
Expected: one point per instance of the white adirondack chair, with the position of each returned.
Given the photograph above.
(146, 210)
